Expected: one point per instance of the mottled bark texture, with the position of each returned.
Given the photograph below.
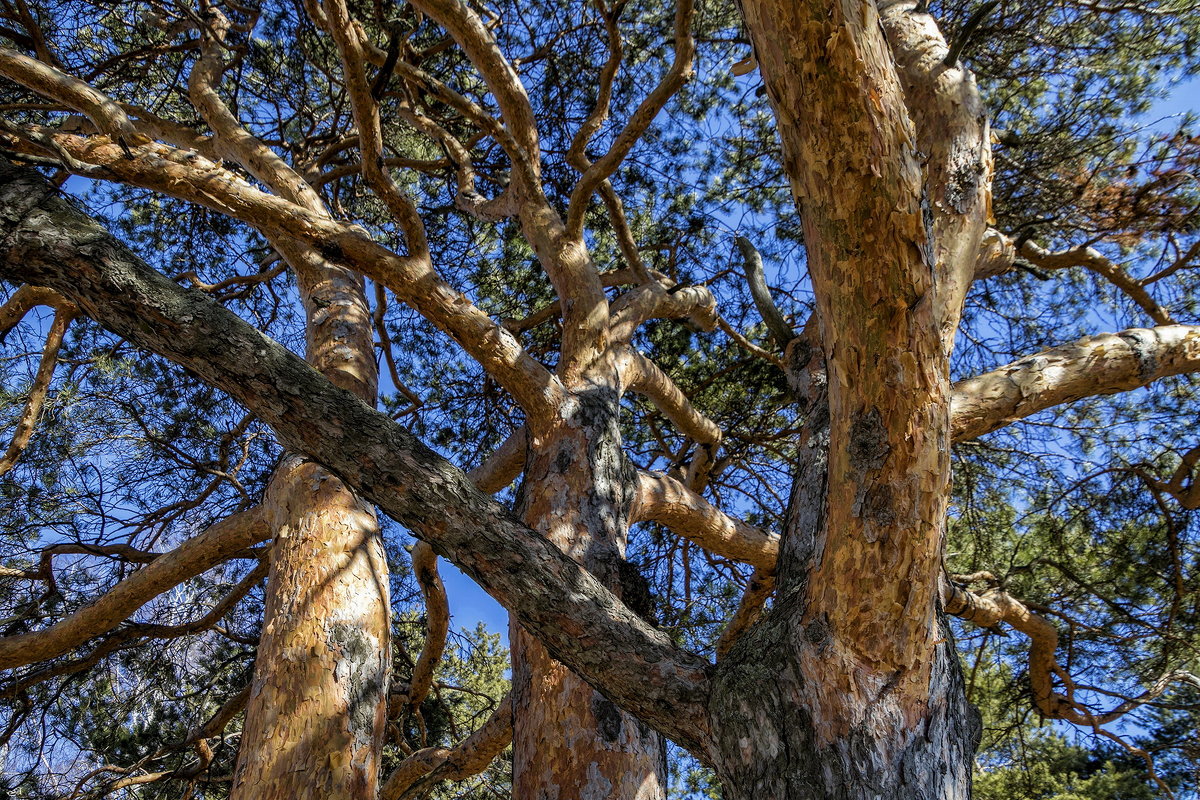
(577, 489)
(863, 698)
(317, 710)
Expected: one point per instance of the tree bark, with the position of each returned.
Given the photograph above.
(318, 704)
(850, 687)
(774, 683)
(314, 722)
(570, 741)
(47, 242)
(771, 744)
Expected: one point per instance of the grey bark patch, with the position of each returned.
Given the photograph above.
(868, 448)
(608, 717)
(875, 505)
(817, 633)
(1144, 347)
(963, 183)
(359, 672)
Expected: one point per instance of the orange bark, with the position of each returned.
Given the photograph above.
(317, 710)
(578, 492)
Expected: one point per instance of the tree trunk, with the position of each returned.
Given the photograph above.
(569, 741)
(773, 692)
(771, 745)
(317, 709)
(850, 688)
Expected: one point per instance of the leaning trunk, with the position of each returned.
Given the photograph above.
(317, 709)
(569, 741)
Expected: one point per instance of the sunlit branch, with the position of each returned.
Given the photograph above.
(437, 622)
(471, 756)
(38, 391)
(191, 177)
(669, 502)
(56, 85)
(504, 465)
(654, 301)
(191, 558)
(1098, 365)
(643, 376)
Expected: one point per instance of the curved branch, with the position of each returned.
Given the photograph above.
(56, 85)
(232, 140)
(504, 465)
(193, 557)
(994, 606)
(643, 376)
(437, 622)
(502, 79)
(38, 391)
(24, 300)
(654, 301)
(1104, 364)
(664, 500)
(469, 757)
(348, 36)
(1092, 260)
(998, 254)
(48, 242)
(189, 176)
(756, 280)
(679, 72)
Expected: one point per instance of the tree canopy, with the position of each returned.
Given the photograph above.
(582, 326)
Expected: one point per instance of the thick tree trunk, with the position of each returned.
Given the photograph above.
(772, 745)
(569, 741)
(317, 709)
(773, 731)
(850, 687)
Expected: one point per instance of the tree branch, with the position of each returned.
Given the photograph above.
(756, 280)
(469, 757)
(664, 500)
(47, 242)
(191, 558)
(1103, 364)
(643, 376)
(38, 391)
(437, 622)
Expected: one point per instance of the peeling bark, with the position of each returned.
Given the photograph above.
(1096, 365)
(326, 625)
(849, 689)
(317, 708)
(569, 740)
